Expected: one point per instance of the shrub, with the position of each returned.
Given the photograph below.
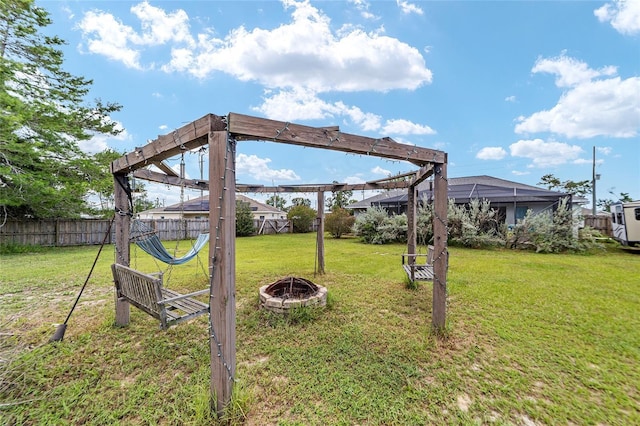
(394, 229)
(339, 222)
(244, 219)
(375, 226)
(474, 224)
(302, 218)
(549, 232)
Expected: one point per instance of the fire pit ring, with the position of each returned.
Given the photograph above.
(292, 292)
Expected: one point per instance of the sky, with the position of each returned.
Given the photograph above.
(511, 89)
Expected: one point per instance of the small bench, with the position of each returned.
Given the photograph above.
(419, 271)
(145, 292)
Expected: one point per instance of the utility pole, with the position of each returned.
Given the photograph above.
(594, 178)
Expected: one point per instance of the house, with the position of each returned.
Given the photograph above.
(198, 208)
(512, 200)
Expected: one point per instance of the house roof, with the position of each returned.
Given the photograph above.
(464, 189)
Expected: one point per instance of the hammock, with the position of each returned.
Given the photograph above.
(153, 246)
(149, 241)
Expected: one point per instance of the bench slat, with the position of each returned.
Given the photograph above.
(146, 293)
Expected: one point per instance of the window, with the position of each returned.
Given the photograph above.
(521, 212)
(613, 217)
(637, 213)
(261, 217)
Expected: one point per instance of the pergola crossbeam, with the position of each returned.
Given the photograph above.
(244, 127)
(186, 138)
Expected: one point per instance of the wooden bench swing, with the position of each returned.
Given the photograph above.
(145, 292)
(419, 271)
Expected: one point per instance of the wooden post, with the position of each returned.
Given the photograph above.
(412, 224)
(440, 260)
(320, 236)
(222, 243)
(122, 223)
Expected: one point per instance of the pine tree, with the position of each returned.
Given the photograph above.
(244, 219)
(43, 116)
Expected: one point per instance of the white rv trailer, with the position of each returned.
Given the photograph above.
(625, 222)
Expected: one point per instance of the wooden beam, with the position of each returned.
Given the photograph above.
(199, 184)
(393, 178)
(422, 174)
(440, 257)
(244, 127)
(122, 222)
(152, 176)
(412, 224)
(165, 168)
(222, 244)
(320, 234)
(187, 137)
(315, 188)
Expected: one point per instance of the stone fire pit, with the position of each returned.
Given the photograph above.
(292, 292)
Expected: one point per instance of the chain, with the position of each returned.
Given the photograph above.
(216, 248)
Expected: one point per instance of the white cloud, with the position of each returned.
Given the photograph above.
(110, 38)
(589, 107)
(100, 142)
(570, 72)
(409, 8)
(624, 15)
(406, 127)
(305, 52)
(363, 7)
(159, 27)
(519, 173)
(300, 104)
(491, 153)
(545, 154)
(296, 104)
(380, 171)
(367, 121)
(510, 99)
(353, 179)
(258, 168)
(605, 150)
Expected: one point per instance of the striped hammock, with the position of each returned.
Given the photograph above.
(149, 242)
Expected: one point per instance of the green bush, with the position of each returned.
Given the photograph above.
(550, 232)
(244, 219)
(474, 225)
(375, 226)
(339, 222)
(302, 218)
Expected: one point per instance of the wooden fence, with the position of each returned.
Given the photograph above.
(79, 232)
(599, 222)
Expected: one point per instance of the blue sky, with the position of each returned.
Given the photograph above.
(511, 89)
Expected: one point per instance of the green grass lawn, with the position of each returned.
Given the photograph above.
(530, 339)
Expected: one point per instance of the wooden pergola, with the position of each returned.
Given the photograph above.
(221, 134)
